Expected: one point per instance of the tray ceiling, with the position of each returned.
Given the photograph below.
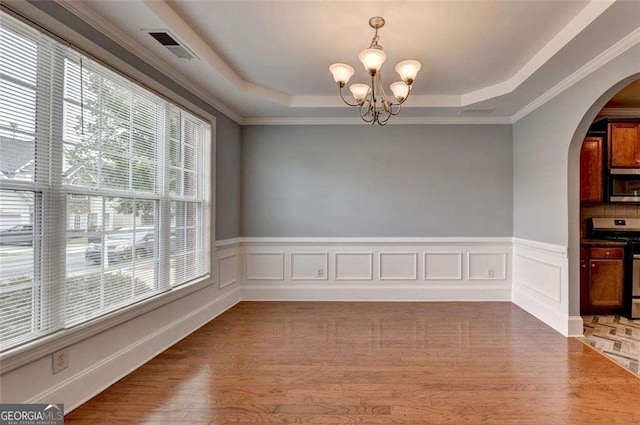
(269, 59)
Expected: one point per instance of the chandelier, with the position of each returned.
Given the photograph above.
(374, 104)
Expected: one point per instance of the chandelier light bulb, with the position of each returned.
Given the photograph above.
(341, 73)
(359, 91)
(408, 70)
(372, 59)
(400, 90)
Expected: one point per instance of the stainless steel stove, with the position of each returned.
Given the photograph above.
(624, 230)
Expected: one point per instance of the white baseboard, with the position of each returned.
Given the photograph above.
(576, 327)
(541, 311)
(84, 385)
(569, 326)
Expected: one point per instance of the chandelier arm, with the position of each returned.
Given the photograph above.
(388, 108)
(372, 109)
(398, 106)
(405, 99)
(386, 117)
(364, 112)
(345, 100)
(397, 110)
(381, 88)
(374, 99)
(368, 119)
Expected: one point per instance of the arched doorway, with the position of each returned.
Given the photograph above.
(574, 190)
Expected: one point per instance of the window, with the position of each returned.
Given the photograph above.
(94, 162)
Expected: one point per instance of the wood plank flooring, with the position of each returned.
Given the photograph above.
(372, 363)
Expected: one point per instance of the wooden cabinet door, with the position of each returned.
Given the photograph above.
(624, 145)
(591, 170)
(606, 283)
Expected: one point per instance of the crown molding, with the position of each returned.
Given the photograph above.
(620, 112)
(599, 61)
(594, 9)
(395, 121)
(582, 20)
(114, 33)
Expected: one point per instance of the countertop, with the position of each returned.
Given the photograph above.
(601, 242)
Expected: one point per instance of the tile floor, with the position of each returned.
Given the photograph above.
(617, 337)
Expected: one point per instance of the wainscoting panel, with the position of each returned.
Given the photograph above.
(442, 266)
(227, 269)
(541, 277)
(541, 284)
(309, 265)
(265, 266)
(353, 265)
(228, 260)
(398, 265)
(487, 265)
(375, 269)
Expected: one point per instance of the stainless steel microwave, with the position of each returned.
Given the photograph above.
(624, 185)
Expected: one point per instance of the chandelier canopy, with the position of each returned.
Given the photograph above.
(374, 104)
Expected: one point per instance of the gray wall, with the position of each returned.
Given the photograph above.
(228, 133)
(402, 180)
(228, 176)
(546, 156)
(541, 143)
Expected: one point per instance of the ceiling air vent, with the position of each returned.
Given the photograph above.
(476, 111)
(169, 41)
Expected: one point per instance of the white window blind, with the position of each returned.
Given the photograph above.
(104, 188)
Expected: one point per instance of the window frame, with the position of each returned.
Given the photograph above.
(41, 346)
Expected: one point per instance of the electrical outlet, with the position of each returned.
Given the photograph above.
(60, 360)
(320, 273)
(491, 273)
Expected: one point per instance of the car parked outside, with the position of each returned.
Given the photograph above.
(21, 234)
(123, 245)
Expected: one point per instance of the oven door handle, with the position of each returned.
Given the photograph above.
(636, 256)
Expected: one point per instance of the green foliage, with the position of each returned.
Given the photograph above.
(113, 146)
(144, 209)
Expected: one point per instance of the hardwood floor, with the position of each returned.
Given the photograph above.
(372, 363)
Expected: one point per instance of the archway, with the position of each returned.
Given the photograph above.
(573, 181)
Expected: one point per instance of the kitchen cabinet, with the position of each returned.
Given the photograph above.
(602, 279)
(591, 170)
(624, 145)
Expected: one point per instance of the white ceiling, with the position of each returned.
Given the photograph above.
(267, 61)
(287, 46)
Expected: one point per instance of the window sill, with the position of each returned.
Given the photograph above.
(41, 347)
